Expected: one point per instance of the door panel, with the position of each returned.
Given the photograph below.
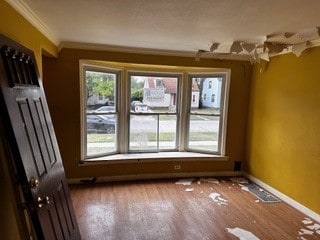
(32, 142)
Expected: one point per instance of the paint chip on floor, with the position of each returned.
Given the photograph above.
(219, 200)
(208, 180)
(244, 188)
(212, 180)
(305, 231)
(189, 190)
(242, 234)
(184, 182)
(307, 221)
(313, 227)
(239, 180)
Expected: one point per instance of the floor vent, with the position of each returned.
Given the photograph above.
(260, 193)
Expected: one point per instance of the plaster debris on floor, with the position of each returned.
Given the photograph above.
(311, 227)
(314, 227)
(208, 180)
(219, 200)
(185, 182)
(307, 221)
(240, 180)
(189, 190)
(257, 200)
(305, 231)
(242, 234)
(244, 188)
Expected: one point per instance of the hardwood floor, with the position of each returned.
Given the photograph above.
(161, 209)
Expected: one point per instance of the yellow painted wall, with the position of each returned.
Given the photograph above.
(17, 28)
(284, 126)
(62, 85)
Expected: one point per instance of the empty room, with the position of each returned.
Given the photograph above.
(181, 119)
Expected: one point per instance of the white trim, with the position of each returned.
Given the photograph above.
(83, 67)
(225, 112)
(22, 8)
(146, 69)
(152, 157)
(158, 176)
(285, 198)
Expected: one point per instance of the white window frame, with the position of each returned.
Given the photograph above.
(225, 75)
(124, 70)
(177, 113)
(83, 104)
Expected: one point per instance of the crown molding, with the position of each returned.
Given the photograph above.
(148, 51)
(22, 8)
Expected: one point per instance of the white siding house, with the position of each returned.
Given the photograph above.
(162, 93)
(211, 92)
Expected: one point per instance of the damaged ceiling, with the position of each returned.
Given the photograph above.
(211, 26)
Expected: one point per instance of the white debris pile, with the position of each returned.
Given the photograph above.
(189, 190)
(219, 200)
(239, 180)
(244, 188)
(242, 234)
(208, 180)
(311, 228)
(185, 182)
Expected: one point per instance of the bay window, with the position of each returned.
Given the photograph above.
(146, 109)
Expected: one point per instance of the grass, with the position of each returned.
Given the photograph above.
(96, 138)
(194, 136)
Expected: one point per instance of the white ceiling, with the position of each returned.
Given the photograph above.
(176, 25)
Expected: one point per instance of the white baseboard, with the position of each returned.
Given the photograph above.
(159, 176)
(285, 198)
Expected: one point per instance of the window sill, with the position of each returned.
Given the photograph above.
(154, 157)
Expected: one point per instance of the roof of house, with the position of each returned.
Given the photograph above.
(170, 84)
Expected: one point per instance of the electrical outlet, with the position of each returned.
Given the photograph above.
(177, 167)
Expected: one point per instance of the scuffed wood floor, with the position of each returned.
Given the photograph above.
(161, 209)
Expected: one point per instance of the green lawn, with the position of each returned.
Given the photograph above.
(199, 136)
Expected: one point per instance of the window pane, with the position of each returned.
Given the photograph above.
(167, 132)
(101, 134)
(101, 113)
(143, 133)
(100, 89)
(204, 133)
(206, 95)
(153, 94)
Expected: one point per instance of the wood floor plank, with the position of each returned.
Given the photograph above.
(161, 209)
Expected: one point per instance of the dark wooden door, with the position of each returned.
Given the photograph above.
(33, 146)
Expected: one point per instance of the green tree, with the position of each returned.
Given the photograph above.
(137, 85)
(137, 95)
(100, 83)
